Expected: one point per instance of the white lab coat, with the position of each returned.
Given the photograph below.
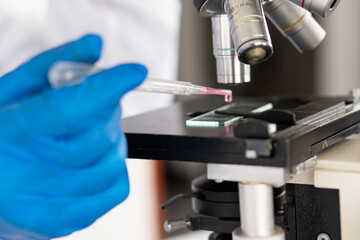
(142, 31)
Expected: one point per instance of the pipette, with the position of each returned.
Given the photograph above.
(65, 73)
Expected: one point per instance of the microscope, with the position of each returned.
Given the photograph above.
(277, 168)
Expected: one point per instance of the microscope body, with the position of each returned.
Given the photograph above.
(240, 39)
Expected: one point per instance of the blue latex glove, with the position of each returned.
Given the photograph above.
(62, 151)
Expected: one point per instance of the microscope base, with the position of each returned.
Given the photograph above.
(278, 234)
(220, 236)
(339, 168)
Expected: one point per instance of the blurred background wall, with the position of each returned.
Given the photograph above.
(338, 58)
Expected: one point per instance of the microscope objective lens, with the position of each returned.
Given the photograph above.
(249, 30)
(323, 8)
(333, 4)
(255, 55)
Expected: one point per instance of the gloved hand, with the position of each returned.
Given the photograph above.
(62, 151)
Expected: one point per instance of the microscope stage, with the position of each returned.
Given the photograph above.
(285, 134)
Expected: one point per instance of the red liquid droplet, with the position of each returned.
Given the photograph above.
(228, 98)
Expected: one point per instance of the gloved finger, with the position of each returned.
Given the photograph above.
(89, 209)
(31, 77)
(59, 112)
(76, 151)
(83, 181)
(70, 212)
(37, 175)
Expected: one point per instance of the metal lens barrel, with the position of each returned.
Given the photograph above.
(249, 30)
(322, 8)
(228, 67)
(295, 23)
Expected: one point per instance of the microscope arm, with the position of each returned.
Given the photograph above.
(339, 168)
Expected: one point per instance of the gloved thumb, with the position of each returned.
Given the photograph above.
(31, 77)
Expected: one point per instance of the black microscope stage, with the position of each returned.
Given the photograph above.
(305, 126)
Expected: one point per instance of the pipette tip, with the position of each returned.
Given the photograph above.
(213, 91)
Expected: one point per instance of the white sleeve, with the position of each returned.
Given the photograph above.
(142, 31)
(22, 25)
